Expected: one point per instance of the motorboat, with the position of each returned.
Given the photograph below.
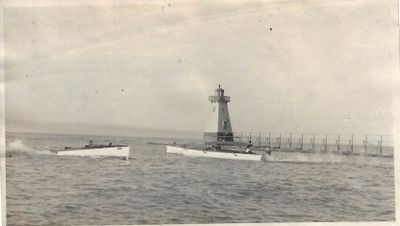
(119, 150)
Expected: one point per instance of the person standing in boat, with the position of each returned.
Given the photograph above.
(249, 146)
(90, 144)
(268, 150)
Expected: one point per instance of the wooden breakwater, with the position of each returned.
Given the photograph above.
(380, 145)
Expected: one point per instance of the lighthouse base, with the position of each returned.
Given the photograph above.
(217, 136)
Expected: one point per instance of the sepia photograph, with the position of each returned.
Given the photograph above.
(199, 112)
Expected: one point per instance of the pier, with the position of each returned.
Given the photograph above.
(350, 144)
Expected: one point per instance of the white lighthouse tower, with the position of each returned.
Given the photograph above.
(219, 125)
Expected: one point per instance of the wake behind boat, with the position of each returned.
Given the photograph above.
(119, 150)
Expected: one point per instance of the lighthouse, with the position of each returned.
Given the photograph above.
(219, 126)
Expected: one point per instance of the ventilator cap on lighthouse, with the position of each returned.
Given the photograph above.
(218, 126)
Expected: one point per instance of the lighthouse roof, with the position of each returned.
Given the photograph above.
(219, 88)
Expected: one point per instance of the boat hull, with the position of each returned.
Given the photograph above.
(122, 151)
(212, 154)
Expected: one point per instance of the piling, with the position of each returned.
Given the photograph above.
(338, 143)
(302, 142)
(352, 144)
(313, 142)
(279, 140)
(269, 140)
(366, 144)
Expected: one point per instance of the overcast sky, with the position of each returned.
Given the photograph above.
(288, 66)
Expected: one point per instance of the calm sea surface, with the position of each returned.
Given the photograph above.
(158, 188)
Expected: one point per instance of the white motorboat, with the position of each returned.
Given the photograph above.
(220, 154)
(97, 150)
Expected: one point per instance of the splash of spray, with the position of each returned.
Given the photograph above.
(17, 146)
(303, 157)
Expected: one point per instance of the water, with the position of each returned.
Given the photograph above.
(155, 188)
